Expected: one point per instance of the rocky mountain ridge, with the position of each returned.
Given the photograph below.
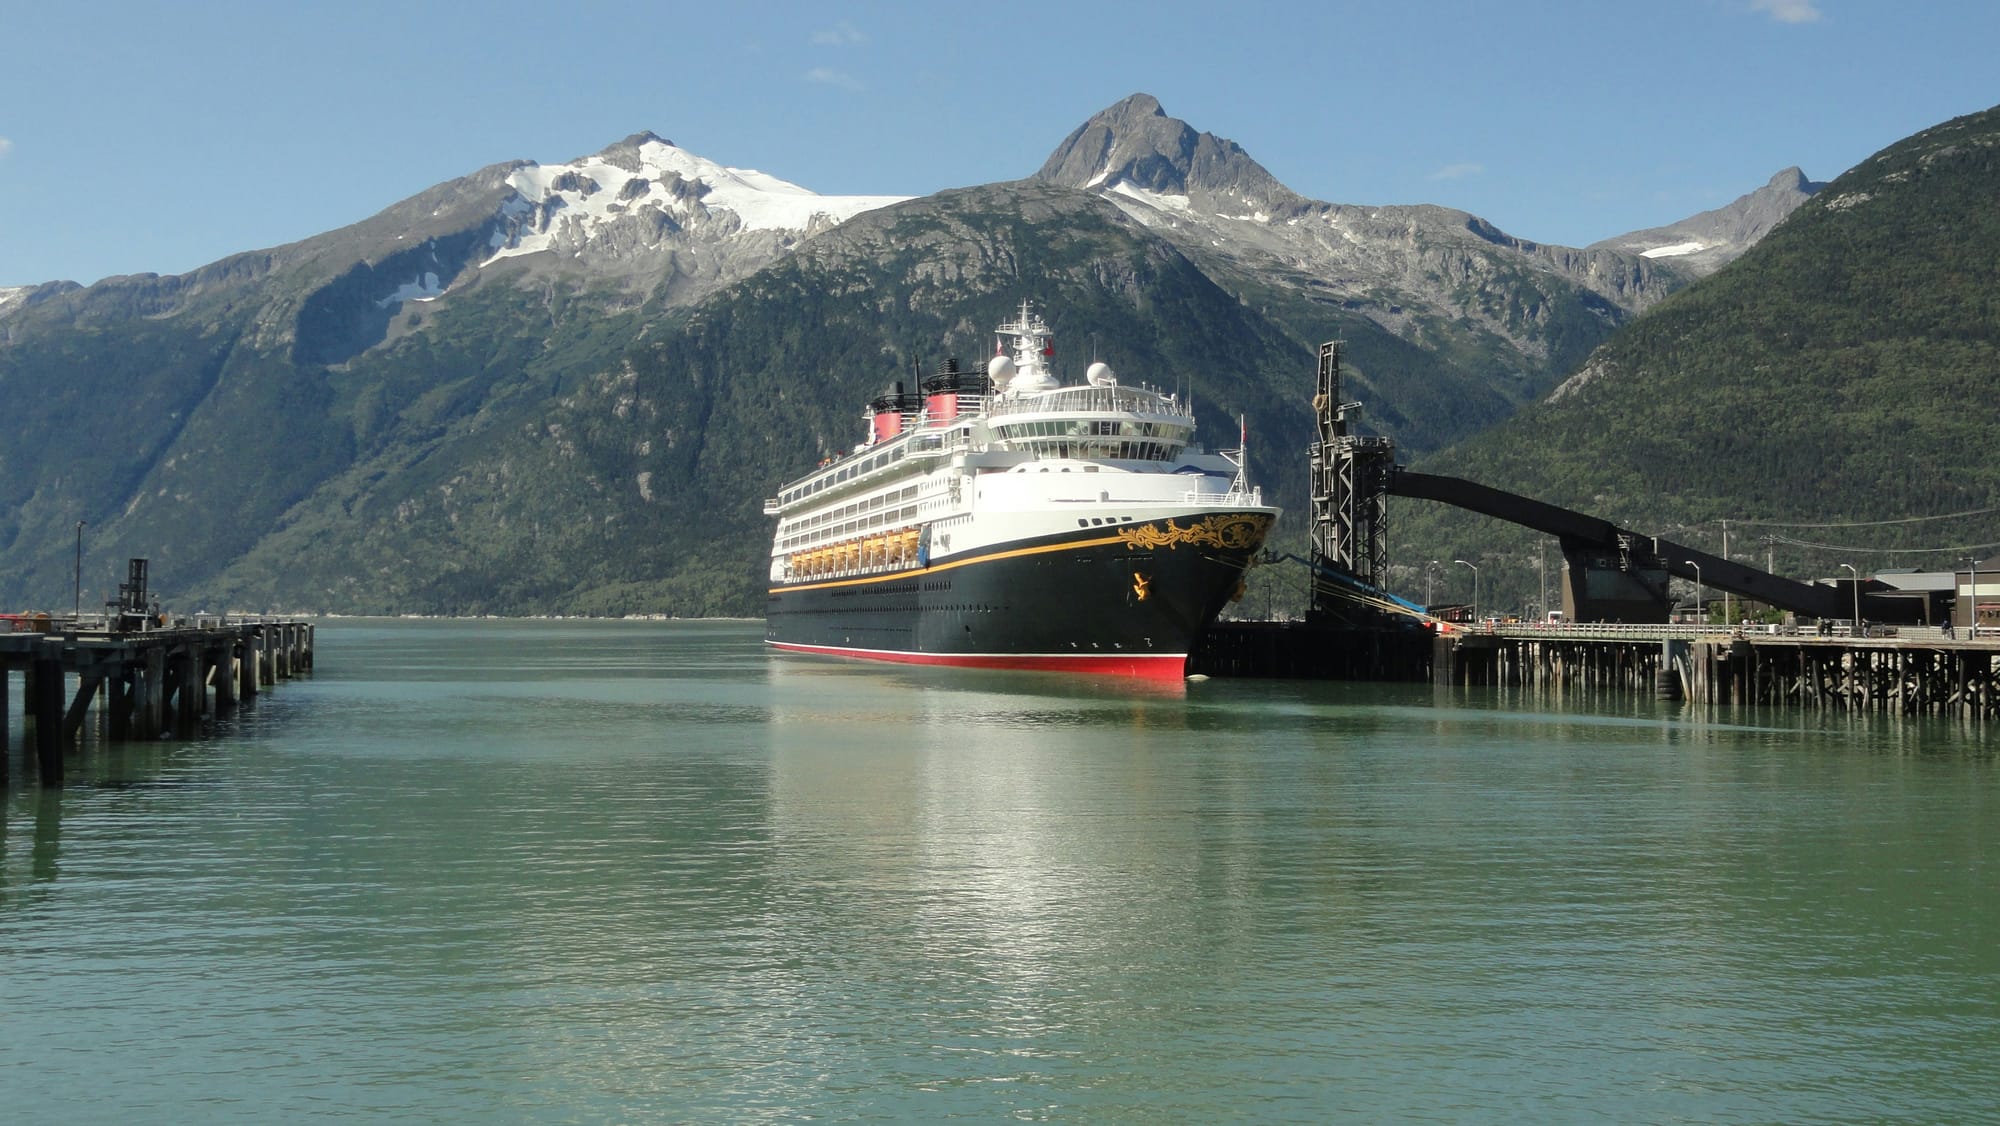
(1829, 393)
(1707, 242)
(1411, 270)
(565, 387)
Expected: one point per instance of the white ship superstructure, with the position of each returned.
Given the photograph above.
(987, 468)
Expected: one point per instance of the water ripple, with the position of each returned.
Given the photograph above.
(649, 875)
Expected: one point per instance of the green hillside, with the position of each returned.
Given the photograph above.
(590, 459)
(1840, 373)
(275, 435)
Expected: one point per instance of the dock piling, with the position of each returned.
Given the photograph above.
(145, 682)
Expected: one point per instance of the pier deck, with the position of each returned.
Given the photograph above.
(146, 683)
(1919, 671)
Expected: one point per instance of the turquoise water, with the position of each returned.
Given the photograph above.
(645, 872)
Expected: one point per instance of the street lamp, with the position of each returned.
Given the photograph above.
(1728, 612)
(1972, 598)
(1701, 618)
(1475, 589)
(1428, 573)
(76, 611)
(1854, 576)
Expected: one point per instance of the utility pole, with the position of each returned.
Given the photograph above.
(1854, 577)
(76, 610)
(1728, 615)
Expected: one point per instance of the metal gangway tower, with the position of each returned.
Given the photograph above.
(1350, 474)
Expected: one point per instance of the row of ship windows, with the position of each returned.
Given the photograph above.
(892, 588)
(861, 506)
(1127, 451)
(858, 508)
(879, 520)
(849, 472)
(1110, 428)
(1097, 520)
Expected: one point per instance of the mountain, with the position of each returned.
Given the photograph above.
(638, 484)
(1704, 243)
(1471, 319)
(1830, 392)
(568, 387)
(23, 296)
(183, 418)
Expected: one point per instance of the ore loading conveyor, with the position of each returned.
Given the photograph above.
(1612, 574)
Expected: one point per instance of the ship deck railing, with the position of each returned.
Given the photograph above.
(1068, 400)
(1763, 631)
(1253, 499)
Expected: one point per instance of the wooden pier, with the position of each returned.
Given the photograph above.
(146, 683)
(1919, 672)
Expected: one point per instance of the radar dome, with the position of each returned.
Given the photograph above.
(1101, 375)
(1000, 368)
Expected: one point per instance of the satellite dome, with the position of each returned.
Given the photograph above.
(1101, 375)
(1000, 368)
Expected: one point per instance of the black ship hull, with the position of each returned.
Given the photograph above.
(1126, 601)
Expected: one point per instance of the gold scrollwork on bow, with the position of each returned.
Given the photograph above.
(1235, 532)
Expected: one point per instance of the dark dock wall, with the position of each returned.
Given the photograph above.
(1302, 651)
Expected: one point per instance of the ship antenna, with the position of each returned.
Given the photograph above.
(1241, 486)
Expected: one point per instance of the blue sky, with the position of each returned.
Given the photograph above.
(159, 137)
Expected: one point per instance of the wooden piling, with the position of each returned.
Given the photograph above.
(1894, 675)
(143, 683)
(47, 716)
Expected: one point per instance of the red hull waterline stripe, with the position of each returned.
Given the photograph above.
(1151, 666)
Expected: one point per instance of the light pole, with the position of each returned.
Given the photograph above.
(1542, 579)
(1854, 576)
(1728, 614)
(76, 610)
(1428, 573)
(1972, 598)
(1475, 590)
(1700, 618)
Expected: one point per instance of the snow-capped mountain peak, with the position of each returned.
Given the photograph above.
(1133, 149)
(643, 190)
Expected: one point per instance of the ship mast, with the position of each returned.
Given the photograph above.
(1032, 340)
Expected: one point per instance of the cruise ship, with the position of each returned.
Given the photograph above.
(999, 518)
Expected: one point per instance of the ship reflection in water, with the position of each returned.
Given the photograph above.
(1015, 826)
(647, 871)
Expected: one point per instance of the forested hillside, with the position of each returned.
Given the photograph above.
(618, 463)
(1840, 373)
(477, 401)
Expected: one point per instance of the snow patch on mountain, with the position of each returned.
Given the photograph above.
(11, 295)
(559, 206)
(1702, 244)
(1159, 201)
(426, 287)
